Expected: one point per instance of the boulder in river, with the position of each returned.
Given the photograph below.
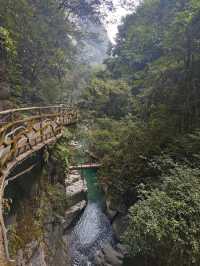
(73, 212)
(109, 256)
(76, 188)
(111, 212)
(119, 225)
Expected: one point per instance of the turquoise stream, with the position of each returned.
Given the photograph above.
(94, 192)
(93, 230)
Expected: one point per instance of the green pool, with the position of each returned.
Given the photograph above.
(94, 191)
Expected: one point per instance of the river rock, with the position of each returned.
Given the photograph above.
(73, 179)
(109, 256)
(99, 260)
(76, 188)
(76, 192)
(119, 225)
(111, 212)
(73, 212)
(111, 253)
(122, 249)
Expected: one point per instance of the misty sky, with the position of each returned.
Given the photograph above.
(115, 19)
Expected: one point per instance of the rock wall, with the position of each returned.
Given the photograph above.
(52, 248)
(76, 192)
(40, 225)
(118, 215)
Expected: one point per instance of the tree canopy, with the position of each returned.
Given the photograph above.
(152, 142)
(40, 41)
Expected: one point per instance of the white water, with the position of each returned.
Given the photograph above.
(92, 231)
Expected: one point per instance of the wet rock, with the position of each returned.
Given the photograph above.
(76, 192)
(109, 256)
(72, 177)
(73, 212)
(113, 208)
(111, 212)
(122, 249)
(112, 256)
(76, 189)
(52, 248)
(119, 225)
(99, 260)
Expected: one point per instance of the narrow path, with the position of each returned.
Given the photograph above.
(21, 135)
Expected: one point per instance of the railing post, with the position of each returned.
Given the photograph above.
(63, 116)
(59, 114)
(60, 117)
(41, 129)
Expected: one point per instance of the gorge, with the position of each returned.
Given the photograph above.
(99, 151)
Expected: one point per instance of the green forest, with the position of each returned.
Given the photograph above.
(40, 45)
(141, 108)
(145, 109)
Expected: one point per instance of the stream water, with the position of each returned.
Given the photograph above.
(93, 230)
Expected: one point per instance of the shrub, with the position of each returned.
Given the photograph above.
(164, 224)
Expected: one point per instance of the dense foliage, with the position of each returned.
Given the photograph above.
(38, 32)
(108, 98)
(157, 51)
(151, 137)
(39, 45)
(164, 225)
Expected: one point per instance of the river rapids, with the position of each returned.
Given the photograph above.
(93, 230)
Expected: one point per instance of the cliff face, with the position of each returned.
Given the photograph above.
(44, 205)
(40, 230)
